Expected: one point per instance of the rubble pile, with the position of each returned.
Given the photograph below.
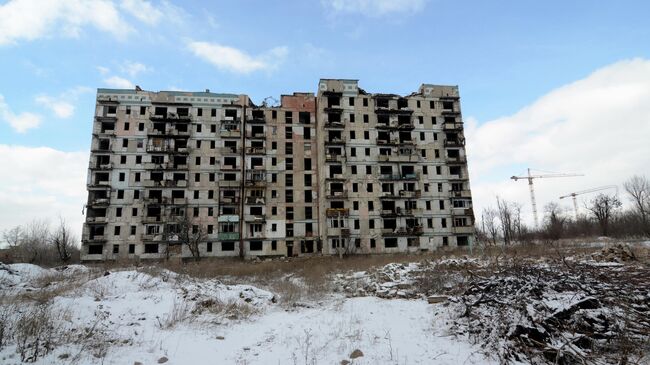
(614, 253)
(406, 281)
(558, 314)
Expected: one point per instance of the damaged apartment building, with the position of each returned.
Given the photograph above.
(183, 174)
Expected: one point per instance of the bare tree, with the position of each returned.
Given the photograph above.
(554, 221)
(505, 212)
(638, 187)
(13, 237)
(489, 221)
(33, 247)
(603, 207)
(191, 235)
(63, 240)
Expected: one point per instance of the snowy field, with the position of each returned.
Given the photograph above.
(574, 307)
(130, 317)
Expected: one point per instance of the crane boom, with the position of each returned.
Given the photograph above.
(530, 179)
(575, 194)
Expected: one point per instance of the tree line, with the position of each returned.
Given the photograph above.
(39, 243)
(605, 217)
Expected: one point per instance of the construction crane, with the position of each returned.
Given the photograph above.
(530, 179)
(575, 201)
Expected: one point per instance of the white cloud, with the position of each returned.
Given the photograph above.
(43, 183)
(599, 126)
(134, 68)
(34, 19)
(375, 8)
(62, 105)
(103, 70)
(119, 82)
(142, 10)
(22, 122)
(234, 60)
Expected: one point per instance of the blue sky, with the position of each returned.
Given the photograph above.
(504, 55)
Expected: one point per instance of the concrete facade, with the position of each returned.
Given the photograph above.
(340, 172)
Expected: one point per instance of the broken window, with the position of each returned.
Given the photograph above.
(390, 242)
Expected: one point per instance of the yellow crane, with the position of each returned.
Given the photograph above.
(575, 201)
(530, 177)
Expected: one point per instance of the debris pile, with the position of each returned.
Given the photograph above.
(407, 281)
(614, 253)
(558, 314)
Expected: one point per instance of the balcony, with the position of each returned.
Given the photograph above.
(335, 177)
(165, 183)
(334, 158)
(413, 176)
(103, 166)
(158, 149)
(337, 212)
(255, 218)
(171, 117)
(463, 230)
(230, 150)
(336, 194)
(255, 200)
(402, 231)
(96, 219)
(176, 133)
(338, 232)
(230, 133)
(181, 151)
(459, 160)
(228, 236)
(388, 142)
(410, 194)
(255, 150)
(256, 135)
(333, 125)
(152, 219)
(99, 184)
(99, 202)
(230, 200)
(452, 127)
(255, 177)
(460, 193)
(454, 142)
(335, 142)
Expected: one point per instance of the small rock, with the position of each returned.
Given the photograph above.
(247, 348)
(220, 338)
(436, 299)
(106, 273)
(356, 353)
(137, 363)
(64, 356)
(163, 360)
(345, 362)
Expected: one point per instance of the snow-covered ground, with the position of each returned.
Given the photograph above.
(130, 317)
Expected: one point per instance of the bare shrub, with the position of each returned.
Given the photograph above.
(231, 309)
(179, 313)
(6, 323)
(35, 332)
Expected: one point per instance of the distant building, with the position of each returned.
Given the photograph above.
(340, 172)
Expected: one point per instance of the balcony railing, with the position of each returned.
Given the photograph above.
(413, 176)
(336, 194)
(334, 157)
(230, 133)
(255, 200)
(255, 150)
(335, 141)
(228, 236)
(336, 212)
